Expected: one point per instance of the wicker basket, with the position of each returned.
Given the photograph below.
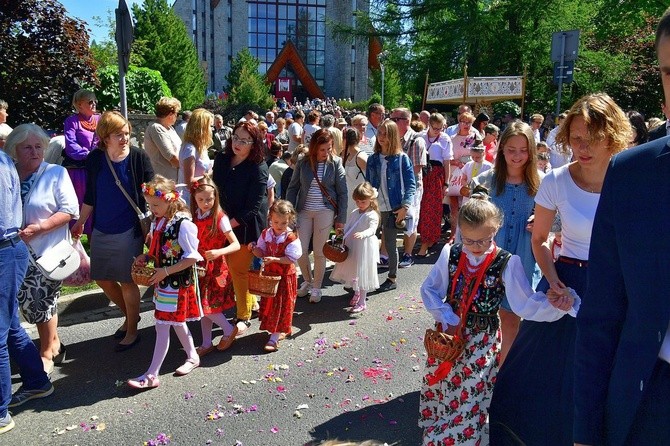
(335, 250)
(443, 346)
(141, 273)
(262, 285)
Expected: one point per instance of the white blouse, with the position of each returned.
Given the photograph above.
(52, 192)
(524, 301)
(293, 250)
(224, 223)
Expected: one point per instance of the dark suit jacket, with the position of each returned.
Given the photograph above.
(658, 132)
(625, 312)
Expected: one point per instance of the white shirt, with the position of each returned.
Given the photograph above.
(556, 157)
(523, 300)
(577, 207)
(440, 149)
(224, 223)
(368, 146)
(294, 130)
(52, 192)
(293, 250)
(309, 131)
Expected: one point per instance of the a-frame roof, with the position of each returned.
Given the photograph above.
(289, 55)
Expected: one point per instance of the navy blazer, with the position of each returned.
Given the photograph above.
(626, 309)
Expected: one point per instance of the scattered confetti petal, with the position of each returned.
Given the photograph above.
(302, 406)
(274, 429)
(188, 395)
(297, 414)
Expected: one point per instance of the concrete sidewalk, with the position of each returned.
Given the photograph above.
(89, 306)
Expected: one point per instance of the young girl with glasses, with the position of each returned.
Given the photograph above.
(475, 276)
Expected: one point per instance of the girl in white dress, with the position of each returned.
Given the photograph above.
(359, 270)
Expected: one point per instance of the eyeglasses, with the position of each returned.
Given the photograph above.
(92, 102)
(436, 129)
(479, 243)
(396, 119)
(465, 122)
(244, 142)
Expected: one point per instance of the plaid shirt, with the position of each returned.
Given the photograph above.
(415, 151)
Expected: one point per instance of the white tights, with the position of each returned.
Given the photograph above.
(207, 324)
(163, 343)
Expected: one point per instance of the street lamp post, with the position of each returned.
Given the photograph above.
(381, 57)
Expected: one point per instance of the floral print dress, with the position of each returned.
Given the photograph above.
(455, 409)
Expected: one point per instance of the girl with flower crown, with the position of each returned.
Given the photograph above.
(174, 247)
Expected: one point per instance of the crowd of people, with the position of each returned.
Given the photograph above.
(535, 293)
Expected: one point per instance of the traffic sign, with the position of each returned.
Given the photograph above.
(571, 48)
(564, 73)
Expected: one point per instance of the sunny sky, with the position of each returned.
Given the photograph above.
(87, 9)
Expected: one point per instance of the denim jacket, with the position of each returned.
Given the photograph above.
(395, 166)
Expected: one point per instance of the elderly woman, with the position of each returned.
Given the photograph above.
(80, 139)
(533, 396)
(281, 133)
(318, 190)
(49, 203)
(360, 122)
(242, 177)
(117, 235)
(194, 162)
(161, 141)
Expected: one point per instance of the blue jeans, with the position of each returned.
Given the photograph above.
(14, 340)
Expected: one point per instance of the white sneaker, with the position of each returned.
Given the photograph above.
(315, 296)
(304, 289)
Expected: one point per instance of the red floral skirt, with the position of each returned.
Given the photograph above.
(430, 217)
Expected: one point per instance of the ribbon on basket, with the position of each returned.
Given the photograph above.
(445, 367)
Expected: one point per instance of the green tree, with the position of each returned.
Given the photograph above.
(144, 87)
(45, 60)
(245, 84)
(167, 48)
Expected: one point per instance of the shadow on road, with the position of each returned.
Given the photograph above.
(393, 422)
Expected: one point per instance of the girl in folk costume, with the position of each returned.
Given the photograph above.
(216, 291)
(174, 245)
(463, 292)
(280, 248)
(359, 270)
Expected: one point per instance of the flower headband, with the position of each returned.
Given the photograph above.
(151, 191)
(197, 184)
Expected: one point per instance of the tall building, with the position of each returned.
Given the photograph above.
(312, 61)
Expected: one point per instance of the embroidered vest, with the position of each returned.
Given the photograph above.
(483, 313)
(169, 254)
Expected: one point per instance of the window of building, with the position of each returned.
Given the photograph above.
(273, 22)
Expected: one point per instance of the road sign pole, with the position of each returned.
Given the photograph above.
(561, 67)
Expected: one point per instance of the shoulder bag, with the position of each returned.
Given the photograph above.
(60, 261)
(323, 189)
(145, 219)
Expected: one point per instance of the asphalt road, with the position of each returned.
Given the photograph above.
(339, 376)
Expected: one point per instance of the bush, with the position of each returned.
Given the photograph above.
(144, 87)
(502, 108)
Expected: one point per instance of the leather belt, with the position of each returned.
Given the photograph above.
(10, 241)
(571, 261)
